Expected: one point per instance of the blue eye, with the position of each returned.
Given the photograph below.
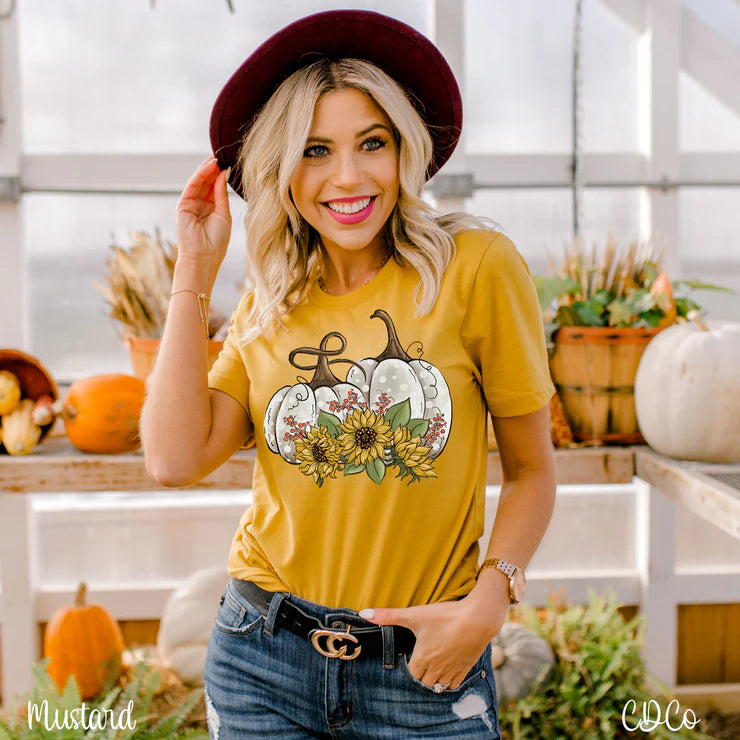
(377, 143)
(311, 152)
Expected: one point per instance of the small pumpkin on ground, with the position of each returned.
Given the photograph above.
(83, 641)
(518, 656)
(187, 623)
(101, 413)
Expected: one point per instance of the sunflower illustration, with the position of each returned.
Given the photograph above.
(412, 454)
(363, 437)
(318, 454)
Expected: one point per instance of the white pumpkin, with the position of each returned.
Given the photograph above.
(293, 409)
(687, 392)
(393, 377)
(187, 623)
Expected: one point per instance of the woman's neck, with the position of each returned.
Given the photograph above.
(347, 271)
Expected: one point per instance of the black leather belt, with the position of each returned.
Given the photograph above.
(347, 643)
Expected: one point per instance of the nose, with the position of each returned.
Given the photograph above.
(347, 171)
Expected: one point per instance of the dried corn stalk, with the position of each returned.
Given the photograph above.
(635, 266)
(139, 284)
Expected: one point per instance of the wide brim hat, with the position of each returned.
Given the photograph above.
(401, 51)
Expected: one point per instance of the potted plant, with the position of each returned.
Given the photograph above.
(600, 312)
(139, 283)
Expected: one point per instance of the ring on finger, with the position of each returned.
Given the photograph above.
(439, 687)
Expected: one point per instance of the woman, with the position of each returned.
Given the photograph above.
(361, 366)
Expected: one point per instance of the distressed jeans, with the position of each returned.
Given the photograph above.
(260, 683)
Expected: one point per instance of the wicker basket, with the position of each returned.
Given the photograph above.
(34, 378)
(594, 371)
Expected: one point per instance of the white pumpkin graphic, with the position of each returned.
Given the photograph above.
(393, 377)
(295, 408)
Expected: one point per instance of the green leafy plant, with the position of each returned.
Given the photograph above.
(619, 288)
(598, 670)
(131, 714)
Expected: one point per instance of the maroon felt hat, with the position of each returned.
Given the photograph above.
(399, 50)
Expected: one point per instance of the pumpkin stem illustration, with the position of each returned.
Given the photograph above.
(393, 350)
(323, 376)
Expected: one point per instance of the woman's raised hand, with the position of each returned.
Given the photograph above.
(203, 219)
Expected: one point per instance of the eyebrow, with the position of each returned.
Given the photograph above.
(364, 131)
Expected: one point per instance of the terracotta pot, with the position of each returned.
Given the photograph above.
(143, 351)
(594, 371)
(35, 380)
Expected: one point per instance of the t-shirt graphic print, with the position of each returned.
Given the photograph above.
(391, 413)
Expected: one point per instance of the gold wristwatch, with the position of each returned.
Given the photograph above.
(517, 580)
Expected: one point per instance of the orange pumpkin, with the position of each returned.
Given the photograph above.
(83, 641)
(101, 413)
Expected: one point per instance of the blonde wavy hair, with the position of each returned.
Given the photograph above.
(283, 250)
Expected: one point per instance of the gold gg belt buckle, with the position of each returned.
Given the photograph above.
(330, 648)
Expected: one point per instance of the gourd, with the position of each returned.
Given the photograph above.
(687, 392)
(519, 657)
(83, 641)
(187, 623)
(19, 433)
(10, 392)
(101, 413)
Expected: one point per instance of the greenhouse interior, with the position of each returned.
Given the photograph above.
(539, 222)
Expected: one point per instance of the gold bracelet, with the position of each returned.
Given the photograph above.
(202, 307)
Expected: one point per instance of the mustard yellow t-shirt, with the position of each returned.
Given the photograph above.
(370, 428)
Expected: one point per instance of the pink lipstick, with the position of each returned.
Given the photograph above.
(350, 218)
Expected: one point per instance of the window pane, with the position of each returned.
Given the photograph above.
(710, 250)
(722, 16)
(67, 243)
(539, 220)
(518, 68)
(117, 76)
(705, 124)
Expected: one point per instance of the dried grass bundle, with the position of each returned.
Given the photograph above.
(634, 266)
(139, 284)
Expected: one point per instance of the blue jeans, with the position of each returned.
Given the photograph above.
(265, 684)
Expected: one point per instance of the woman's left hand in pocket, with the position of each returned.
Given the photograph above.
(450, 635)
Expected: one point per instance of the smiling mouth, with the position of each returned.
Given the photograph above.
(349, 208)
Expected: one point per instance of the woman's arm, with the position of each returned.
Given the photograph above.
(452, 634)
(525, 503)
(176, 417)
(176, 420)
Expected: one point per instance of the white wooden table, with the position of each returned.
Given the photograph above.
(711, 491)
(57, 467)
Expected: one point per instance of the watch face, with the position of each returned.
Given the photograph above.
(519, 585)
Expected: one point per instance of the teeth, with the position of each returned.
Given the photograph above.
(358, 205)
